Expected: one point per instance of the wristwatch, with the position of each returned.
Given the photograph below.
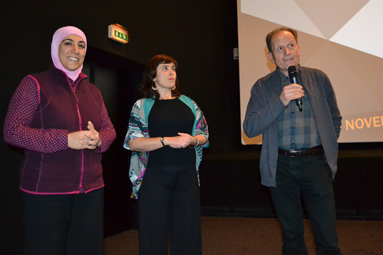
(162, 141)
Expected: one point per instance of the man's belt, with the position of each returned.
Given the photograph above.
(318, 150)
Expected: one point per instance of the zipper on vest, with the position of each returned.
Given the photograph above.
(81, 188)
(75, 96)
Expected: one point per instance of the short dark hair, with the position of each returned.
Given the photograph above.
(270, 35)
(151, 72)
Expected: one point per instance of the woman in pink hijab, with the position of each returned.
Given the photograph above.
(61, 122)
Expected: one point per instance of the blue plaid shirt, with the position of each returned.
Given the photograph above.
(297, 130)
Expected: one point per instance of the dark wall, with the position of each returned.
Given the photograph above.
(200, 35)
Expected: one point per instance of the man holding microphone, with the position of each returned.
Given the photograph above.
(300, 121)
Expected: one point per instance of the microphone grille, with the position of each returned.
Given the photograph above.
(292, 69)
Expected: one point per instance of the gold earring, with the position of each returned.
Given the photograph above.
(154, 87)
(174, 87)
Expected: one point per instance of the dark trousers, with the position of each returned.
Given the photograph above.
(310, 178)
(169, 207)
(64, 224)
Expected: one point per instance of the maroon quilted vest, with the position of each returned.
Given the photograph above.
(69, 171)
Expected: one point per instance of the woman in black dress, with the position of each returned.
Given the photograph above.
(172, 129)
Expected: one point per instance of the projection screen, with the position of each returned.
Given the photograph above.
(343, 38)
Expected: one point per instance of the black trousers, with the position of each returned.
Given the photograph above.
(64, 224)
(310, 178)
(169, 208)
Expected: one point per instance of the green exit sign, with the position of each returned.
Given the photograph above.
(121, 35)
(118, 33)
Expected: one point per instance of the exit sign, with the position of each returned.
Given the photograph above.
(118, 33)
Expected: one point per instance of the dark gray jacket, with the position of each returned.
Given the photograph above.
(265, 106)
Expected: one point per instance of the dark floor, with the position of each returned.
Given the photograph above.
(245, 236)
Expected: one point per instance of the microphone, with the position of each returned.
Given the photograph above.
(293, 75)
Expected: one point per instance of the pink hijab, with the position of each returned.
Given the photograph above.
(58, 37)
